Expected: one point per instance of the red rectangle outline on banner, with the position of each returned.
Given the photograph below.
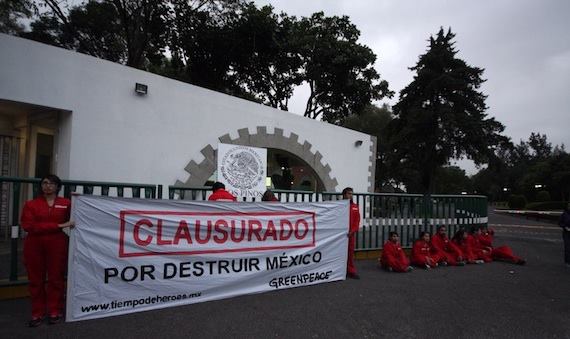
(124, 213)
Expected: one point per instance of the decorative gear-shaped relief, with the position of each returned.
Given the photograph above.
(199, 173)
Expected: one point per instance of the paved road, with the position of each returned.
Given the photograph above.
(515, 227)
(496, 300)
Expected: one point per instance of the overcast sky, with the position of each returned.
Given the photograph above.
(523, 45)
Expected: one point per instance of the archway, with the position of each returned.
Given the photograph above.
(200, 172)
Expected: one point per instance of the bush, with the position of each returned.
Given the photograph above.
(547, 206)
(543, 196)
(517, 201)
(500, 204)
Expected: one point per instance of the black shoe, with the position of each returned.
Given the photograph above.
(521, 262)
(353, 276)
(55, 319)
(35, 322)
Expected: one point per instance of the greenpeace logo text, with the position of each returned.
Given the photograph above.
(146, 233)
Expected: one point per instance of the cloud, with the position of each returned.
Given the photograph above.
(523, 46)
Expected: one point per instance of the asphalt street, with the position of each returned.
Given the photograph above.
(496, 300)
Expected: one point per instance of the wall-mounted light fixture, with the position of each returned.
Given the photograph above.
(141, 89)
(358, 143)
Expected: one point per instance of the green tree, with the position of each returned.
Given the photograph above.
(441, 114)
(518, 168)
(267, 64)
(204, 48)
(538, 143)
(12, 12)
(245, 52)
(451, 180)
(92, 28)
(133, 32)
(226, 45)
(337, 68)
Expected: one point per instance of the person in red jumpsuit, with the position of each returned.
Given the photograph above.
(424, 254)
(483, 252)
(502, 253)
(465, 242)
(452, 253)
(354, 224)
(220, 193)
(393, 257)
(45, 250)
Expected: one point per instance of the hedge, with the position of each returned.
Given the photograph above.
(547, 206)
(517, 201)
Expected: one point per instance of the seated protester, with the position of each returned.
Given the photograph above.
(393, 257)
(452, 253)
(503, 253)
(220, 193)
(481, 251)
(424, 254)
(469, 253)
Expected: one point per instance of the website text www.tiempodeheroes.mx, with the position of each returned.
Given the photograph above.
(137, 302)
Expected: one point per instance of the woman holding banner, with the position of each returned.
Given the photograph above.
(45, 250)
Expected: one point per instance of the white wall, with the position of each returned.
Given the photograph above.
(116, 135)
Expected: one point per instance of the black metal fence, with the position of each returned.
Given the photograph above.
(381, 213)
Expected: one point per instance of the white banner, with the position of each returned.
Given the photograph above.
(242, 169)
(131, 255)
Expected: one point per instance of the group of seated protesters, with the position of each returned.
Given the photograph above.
(429, 251)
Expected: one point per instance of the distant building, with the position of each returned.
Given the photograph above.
(80, 117)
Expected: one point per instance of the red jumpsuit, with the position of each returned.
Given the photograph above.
(467, 250)
(221, 195)
(354, 225)
(449, 250)
(480, 251)
(45, 251)
(394, 257)
(503, 253)
(423, 250)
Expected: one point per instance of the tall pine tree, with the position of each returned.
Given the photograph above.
(441, 114)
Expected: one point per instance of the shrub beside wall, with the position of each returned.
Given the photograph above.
(543, 196)
(547, 206)
(517, 201)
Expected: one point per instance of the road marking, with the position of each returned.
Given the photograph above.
(524, 232)
(526, 226)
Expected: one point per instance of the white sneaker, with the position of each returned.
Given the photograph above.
(479, 261)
